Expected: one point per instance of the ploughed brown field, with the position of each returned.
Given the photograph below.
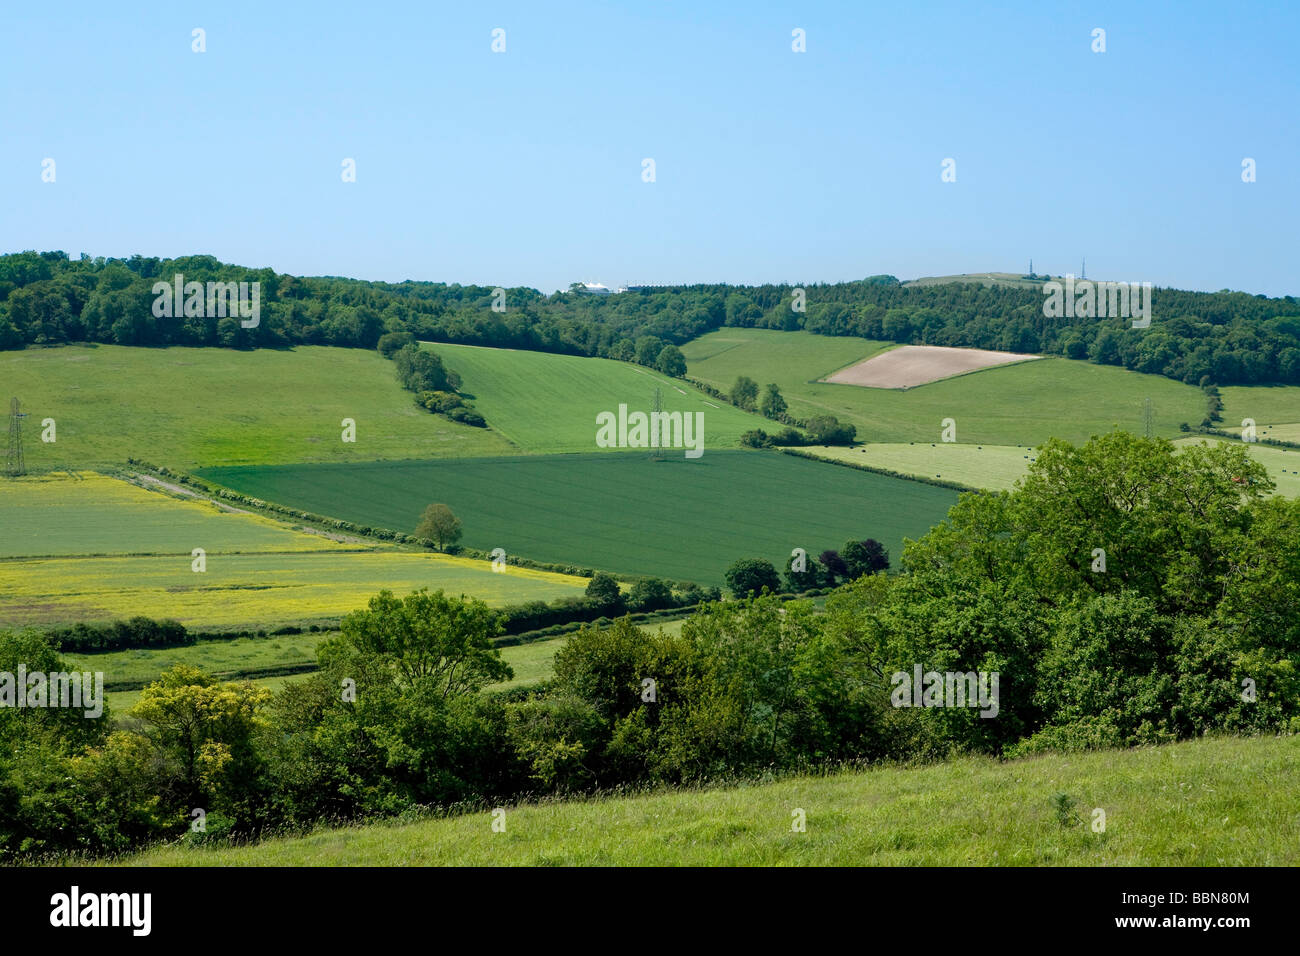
(910, 365)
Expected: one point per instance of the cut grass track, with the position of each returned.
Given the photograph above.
(1211, 802)
(87, 513)
(1022, 404)
(549, 403)
(184, 407)
(677, 519)
(258, 591)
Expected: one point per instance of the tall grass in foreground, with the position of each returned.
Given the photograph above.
(1217, 801)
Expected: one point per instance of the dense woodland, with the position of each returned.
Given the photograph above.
(1189, 628)
(1224, 338)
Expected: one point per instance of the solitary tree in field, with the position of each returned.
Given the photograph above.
(773, 403)
(439, 525)
(744, 393)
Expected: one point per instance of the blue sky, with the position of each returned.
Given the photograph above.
(524, 167)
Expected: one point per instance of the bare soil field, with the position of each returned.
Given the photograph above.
(910, 365)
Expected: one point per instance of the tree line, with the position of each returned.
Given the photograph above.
(1224, 338)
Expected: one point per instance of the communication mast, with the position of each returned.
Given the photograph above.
(1148, 428)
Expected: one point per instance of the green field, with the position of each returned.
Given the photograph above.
(116, 550)
(228, 660)
(548, 403)
(1286, 431)
(1275, 409)
(719, 358)
(1283, 464)
(998, 467)
(86, 513)
(1210, 802)
(184, 406)
(995, 467)
(678, 519)
(1022, 404)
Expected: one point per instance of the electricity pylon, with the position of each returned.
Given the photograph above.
(14, 463)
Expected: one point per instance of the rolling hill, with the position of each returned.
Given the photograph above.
(548, 403)
(185, 407)
(1013, 405)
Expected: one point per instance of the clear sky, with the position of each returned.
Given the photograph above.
(525, 167)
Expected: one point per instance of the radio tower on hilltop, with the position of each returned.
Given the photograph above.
(14, 464)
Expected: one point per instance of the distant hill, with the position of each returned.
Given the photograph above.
(984, 278)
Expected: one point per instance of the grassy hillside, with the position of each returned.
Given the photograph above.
(184, 407)
(1014, 405)
(766, 356)
(1212, 802)
(548, 403)
(679, 519)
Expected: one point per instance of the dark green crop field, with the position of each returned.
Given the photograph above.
(679, 519)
